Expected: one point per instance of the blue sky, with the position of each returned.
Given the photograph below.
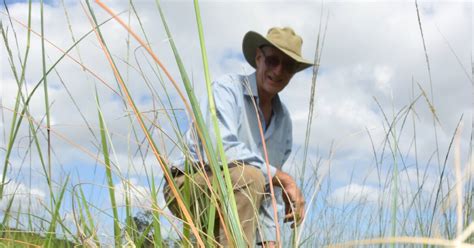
(49, 2)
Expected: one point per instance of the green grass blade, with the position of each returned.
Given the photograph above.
(108, 172)
(6, 213)
(33, 130)
(157, 238)
(163, 166)
(14, 131)
(17, 105)
(90, 229)
(202, 129)
(130, 226)
(51, 236)
(45, 86)
(234, 221)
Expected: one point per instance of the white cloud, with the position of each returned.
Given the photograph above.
(22, 198)
(356, 194)
(382, 75)
(138, 194)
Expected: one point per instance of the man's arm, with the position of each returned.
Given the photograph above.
(292, 196)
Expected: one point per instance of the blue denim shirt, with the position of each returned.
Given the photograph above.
(235, 99)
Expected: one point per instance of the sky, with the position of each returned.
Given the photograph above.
(373, 65)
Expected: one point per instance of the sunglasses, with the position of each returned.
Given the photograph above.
(273, 61)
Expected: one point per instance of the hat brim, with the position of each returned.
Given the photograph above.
(253, 40)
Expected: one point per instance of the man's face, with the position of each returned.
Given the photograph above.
(274, 71)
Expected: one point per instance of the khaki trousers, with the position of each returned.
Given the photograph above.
(249, 187)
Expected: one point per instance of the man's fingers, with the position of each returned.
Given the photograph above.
(297, 223)
(288, 218)
(300, 219)
(294, 205)
(295, 217)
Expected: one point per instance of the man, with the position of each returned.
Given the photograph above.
(241, 103)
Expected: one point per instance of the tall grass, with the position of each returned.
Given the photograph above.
(398, 215)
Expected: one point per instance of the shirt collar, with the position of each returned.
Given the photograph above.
(250, 85)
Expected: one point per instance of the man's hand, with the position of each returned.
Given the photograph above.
(268, 244)
(292, 196)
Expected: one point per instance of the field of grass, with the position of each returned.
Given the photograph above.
(18, 238)
(143, 105)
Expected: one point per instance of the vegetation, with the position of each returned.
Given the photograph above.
(72, 215)
(17, 238)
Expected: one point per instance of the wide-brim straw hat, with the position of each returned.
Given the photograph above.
(284, 39)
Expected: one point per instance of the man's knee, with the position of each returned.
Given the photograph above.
(248, 176)
(170, 200)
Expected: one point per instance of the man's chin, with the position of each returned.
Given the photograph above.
(273, 84)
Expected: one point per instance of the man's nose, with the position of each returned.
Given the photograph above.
(279, 68)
